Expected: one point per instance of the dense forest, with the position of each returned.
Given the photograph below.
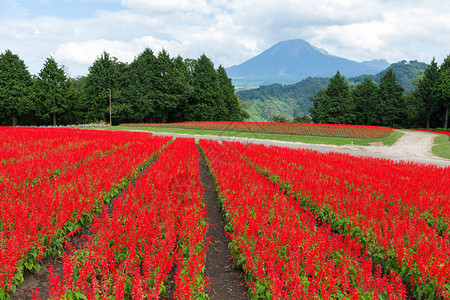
(160, 88)
(286, 102)
(269, 102)
(386, 103)
(152, 88)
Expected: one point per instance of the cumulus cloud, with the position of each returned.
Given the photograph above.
(87, 52)
(232, 31)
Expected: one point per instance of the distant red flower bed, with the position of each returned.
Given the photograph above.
(434, 131)
(326, 130)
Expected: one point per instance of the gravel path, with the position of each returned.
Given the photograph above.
(413, 146)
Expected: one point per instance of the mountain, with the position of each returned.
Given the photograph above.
(406, 71)
(291, 61)
(293, 100)
(279, 100)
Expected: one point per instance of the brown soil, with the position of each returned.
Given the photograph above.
(33, 280)
(225, 281)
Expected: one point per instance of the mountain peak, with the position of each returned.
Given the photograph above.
(294, 48)
(293, 60)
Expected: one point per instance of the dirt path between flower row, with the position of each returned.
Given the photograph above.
(225, 281)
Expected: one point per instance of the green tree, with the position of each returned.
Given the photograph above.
(414, 110)
(365, 96)
(171, 87)
(442, 89)
(206, 103)
(443, 92)
(185, 90)
(317, 113)
(15, 89)
(53, 92)
(76, 114)
(104, 74)
(425, 91)
(279, 119)
(139, 92)
(302, 119)
(234, 109)
(335, 105)
(390, 107)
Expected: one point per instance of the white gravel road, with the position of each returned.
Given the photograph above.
(411, 144)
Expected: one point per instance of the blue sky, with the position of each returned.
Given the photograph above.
(63, 9)
(75, 33)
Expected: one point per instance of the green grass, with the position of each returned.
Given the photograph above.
(388, 141)
(441, 146)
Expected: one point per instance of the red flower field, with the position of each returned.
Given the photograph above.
(326, 130)
(125, 213)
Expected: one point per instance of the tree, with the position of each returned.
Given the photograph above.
(390, 107)
(365, 96)
(302, 119)
(76, 114)
(15, 89)
(414, 109)
(104, 74)
(184, 79)
(53, 92)
(443, 92)
(234, 110)
(171, 87)
(425, 91)
(206, 103)
(335, 105)
(139, 92)
(279, 119)
(317, 113)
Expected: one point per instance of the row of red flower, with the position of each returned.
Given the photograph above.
(326, 130)
(283, 251)
(40, 153)
(36, 216)
(385, 210)
(159, 220)
(398, 211)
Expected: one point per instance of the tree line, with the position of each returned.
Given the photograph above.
(152, 88)
(386, 104)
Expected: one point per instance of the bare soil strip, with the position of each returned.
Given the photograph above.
(225, 281)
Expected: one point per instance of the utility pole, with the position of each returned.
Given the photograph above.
(110, 118)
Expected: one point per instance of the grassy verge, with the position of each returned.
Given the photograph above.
(389, 140)
(441, 146)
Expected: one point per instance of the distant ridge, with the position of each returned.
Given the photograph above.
(293, 100)
(291, 61)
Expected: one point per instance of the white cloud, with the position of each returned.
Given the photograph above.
(231, 31)
(85, 53)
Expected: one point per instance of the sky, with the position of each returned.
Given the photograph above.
(75, 33)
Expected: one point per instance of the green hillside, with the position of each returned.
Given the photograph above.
(279, 100)
(288, 101)
(406, 71)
